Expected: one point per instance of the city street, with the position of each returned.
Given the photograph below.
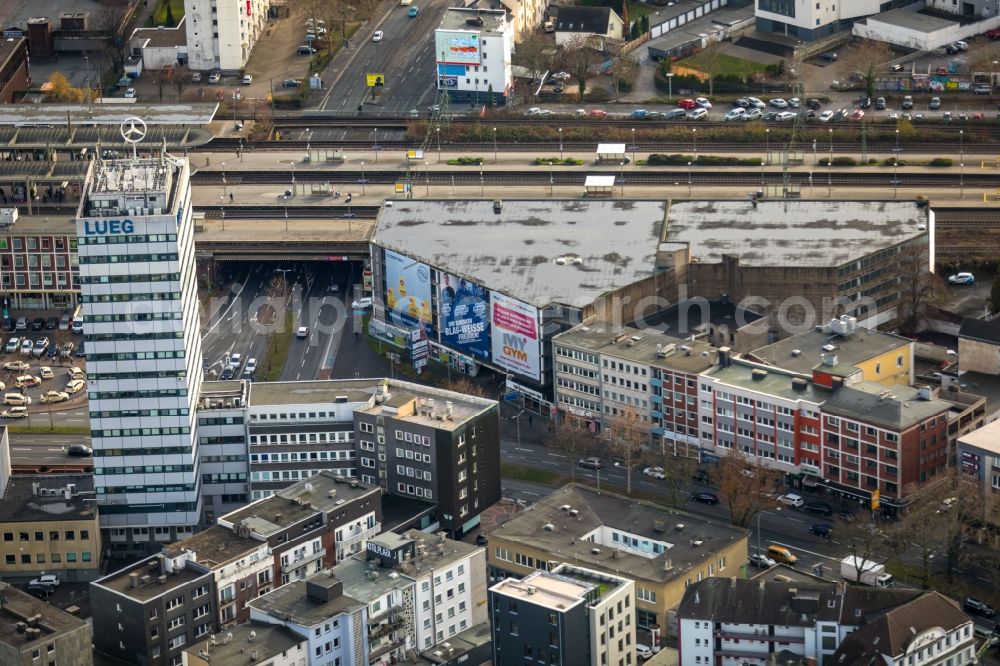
(405, 56)
(41, 449)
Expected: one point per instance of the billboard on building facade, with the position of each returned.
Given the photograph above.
(460, 48)
(465, 316)
(407, 290)
(515, 335)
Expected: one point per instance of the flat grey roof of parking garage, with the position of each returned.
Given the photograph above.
(905, 18)
(514, 251)
(107, 114)
(791, 233)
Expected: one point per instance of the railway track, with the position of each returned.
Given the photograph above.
(291, 212)
(651, 176)
(484, 148)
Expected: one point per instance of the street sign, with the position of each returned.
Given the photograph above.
(512, 396)
(876, 496)
(375, 80)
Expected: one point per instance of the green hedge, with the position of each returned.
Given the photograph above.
(466, 161)
(556, 161)
(659, 159)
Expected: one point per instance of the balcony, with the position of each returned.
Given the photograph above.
(302, 560)
(386, 647)
(379, 617)
(394, 622)
(346, 545)
(726, 634)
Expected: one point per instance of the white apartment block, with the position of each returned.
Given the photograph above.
(222, 448)
(143, 344)
(734, 622)
(526, 16)
(473, 55)
(221, 33)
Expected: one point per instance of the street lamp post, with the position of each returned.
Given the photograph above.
(895, 176)
(961, 181)
(829, 169)
(375, 146)
(961, 145)
(551, 182)
(224, 193)
(561, 145)
(811, 190)
(427, 180)
(437, 130)
(763, 183)
(670, 86)
(689, 179)
(495, 145)
(633, 145)
(222, 202)
(308, 140)
(767, 143)
(363, 179)
(694, 141)
(815, 154)
(482, 184)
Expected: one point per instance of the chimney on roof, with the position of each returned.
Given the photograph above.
(758, 374)
(799, 384)
(725, 358)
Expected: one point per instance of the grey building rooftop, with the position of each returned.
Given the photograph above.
(363, 392)
(294, 601)
(791, 233)
(456, 19)
(775, 382)
(986, 438)
(696, 315)
(266, 640)
(152, 570)
(898, 407)
(214, 547)
(24, 501)
(460, 644)
(801, 353)
(515, 251)
(298, 501)
(647, 346)
(18, 606)
(566, 540)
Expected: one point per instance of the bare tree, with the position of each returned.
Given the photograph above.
(579, 58)
(677, 472)
(864, 541)
(533, 54)
(628, 437)
(574, 441)
(745, 487)
(918, 288)
(623, 69)
(466, 386)
(981, 59)
(711, 59)
(869, 57)
(182, 76)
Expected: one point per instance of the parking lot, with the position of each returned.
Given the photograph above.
(42, 363)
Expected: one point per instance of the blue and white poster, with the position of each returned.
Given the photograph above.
(465, 316)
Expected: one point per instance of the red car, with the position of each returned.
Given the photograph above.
(598, 113)
(687, 104)
(993, 34)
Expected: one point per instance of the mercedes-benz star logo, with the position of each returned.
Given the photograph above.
(133, 129)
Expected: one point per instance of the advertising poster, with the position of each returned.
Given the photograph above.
(407, 290)
(465, 316)
(460, 48)
(515, 335)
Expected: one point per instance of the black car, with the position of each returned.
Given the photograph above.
(481, 540)
(226, 374)
(52, 351)
(706, 498)
(79, 450)
(771, 116)
(52, 323)
(559, 87)
(821, 530)
(743, 102)
(37, 324)
(9, 324)
(80, 353)
(865, 102)
(819, 508)
(813, 104)
(978, 607)
(39, 590)
(880, 103)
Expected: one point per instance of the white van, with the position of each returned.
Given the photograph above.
(16, 399)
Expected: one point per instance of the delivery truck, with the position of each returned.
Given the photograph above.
(859, 570)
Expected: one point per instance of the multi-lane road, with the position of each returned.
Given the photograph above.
(405, 56)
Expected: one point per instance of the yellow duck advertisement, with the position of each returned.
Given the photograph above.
(408, 291)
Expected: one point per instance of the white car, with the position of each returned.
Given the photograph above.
(214, 77)
(46, 579)
(561, 76)
(130, 93)
(756, 103)
(303, 332)
(26, 346)
(786, 115)
(962, 278)
(735, 114)
(696, 114)
(362, 303)
(778, 103)
(580, 113)
(54, 396)
(760, 560)
(893, 116)
(702, 102)
(533, 111)
(961, 45)
(75, 386)
(251, 367)
(826, 116)
(794, 102)
(377, 37)
(793, 500)
(236, 360)
(247, 79)
(643, 652)
(12, 345)
(655, 472)
(45, 372)
(15, 413)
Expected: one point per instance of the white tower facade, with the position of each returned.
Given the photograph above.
(143, 345)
